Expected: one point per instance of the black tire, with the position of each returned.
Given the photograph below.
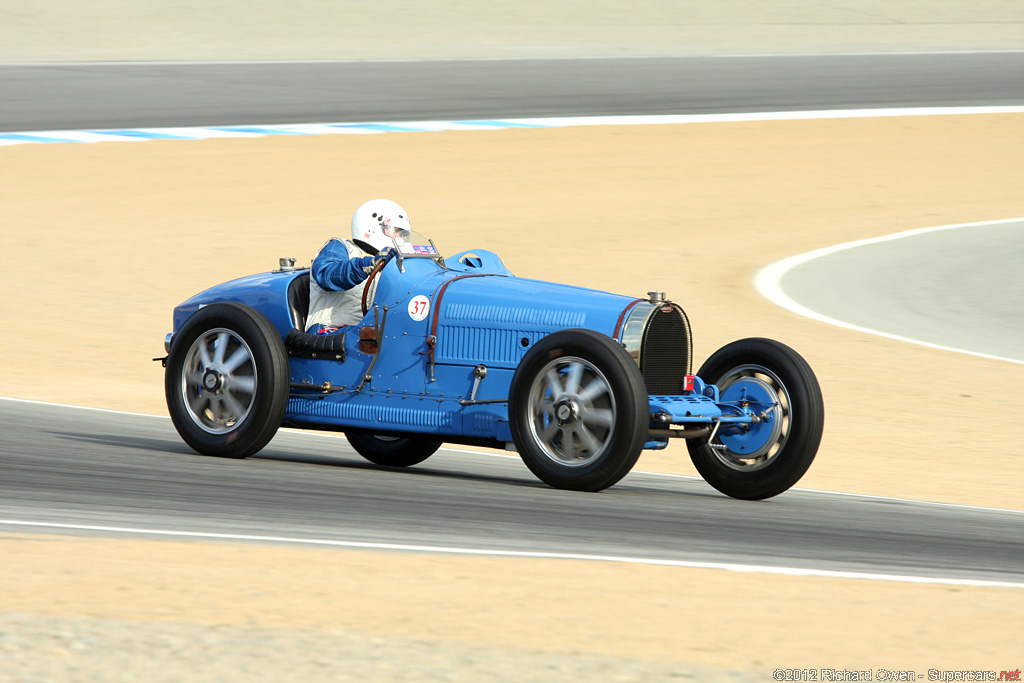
(578, 410)
(393, 451)
(793, 434)
(227, 380)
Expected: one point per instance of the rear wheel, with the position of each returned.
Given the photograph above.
(393, 451)
(764, 459)
(226, 381)
(578, 410)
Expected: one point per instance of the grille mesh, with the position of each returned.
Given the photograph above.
(665, 351)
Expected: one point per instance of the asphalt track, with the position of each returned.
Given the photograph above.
(70, 466)
(69, 96)
(64, 465)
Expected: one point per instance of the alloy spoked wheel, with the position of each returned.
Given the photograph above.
(227, 380)
(572, 411)
(218, 380)
(578, 410)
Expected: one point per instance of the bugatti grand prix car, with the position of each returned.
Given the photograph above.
(460, 350)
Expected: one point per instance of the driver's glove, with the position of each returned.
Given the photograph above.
(382, 256)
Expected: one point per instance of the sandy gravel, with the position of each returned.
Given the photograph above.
(198, 611)
(89, 649)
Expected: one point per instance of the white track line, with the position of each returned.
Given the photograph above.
(363, 128)
(815, 114)
(768, 283)
(483, 552)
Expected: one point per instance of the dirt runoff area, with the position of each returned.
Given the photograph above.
(101, 241)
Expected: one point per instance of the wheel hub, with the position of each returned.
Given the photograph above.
(758, 398)
(566, 411)
(213, 381)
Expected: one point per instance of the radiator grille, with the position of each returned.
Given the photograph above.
(665, 351)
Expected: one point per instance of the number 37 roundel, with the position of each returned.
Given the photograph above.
(419, 307)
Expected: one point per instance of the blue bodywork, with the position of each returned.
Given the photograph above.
(421, 378)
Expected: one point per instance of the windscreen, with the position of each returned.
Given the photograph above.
(412, 244)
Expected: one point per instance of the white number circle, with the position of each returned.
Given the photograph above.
(419, 307)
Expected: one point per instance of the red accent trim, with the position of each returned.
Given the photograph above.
(622, 316)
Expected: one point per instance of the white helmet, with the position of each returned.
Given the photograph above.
(377, 221)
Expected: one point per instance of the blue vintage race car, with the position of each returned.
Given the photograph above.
(460, 350)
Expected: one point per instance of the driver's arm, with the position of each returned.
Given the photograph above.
(334, 270)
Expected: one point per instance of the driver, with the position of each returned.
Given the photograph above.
(341, 265)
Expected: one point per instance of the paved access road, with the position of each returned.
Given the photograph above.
(958, 288)
(70, 96)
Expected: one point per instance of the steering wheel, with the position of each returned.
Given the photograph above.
(369, 281)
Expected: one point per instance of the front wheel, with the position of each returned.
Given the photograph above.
(578, 410)
(766, 458)
(392, 451)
